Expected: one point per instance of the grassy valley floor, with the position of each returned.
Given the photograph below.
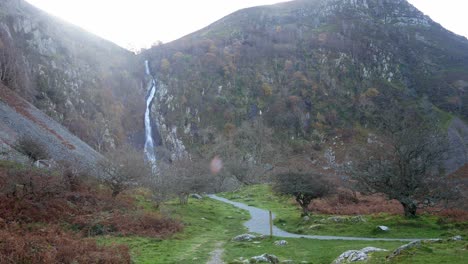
(209, 224)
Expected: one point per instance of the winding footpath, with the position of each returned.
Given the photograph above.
(259, 223)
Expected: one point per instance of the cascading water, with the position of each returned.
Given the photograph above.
(149, 143)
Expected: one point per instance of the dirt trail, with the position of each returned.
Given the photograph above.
(216, 255)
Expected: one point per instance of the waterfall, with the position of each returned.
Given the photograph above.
(149, 143)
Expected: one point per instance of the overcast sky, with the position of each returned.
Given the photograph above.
(140, 23)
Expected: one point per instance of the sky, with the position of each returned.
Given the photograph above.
(136, 24)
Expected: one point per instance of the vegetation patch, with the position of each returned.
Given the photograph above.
(288, 217)
(206, 222)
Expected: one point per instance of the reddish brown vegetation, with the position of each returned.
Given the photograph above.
(31, 196)
(346, 202)
(33, 204)
(52, 245)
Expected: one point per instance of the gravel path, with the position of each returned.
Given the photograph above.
(216, 255)
(260, 218)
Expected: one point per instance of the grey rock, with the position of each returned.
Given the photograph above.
(372, 249)
(265, 258)
(457, 238)
(383, 228)
(244, 237)
(306, 218)
(356, 255)
(44, 164)
(358, 219)
(350, 256)
(281, 243)
(196, 196)
(398, 251)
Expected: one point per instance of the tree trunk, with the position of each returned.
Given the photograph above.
(304, 205)
(410, 208)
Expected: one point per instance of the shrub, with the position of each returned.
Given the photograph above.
(31, 148)
(303, 186)
(52, 245)
(31, 196)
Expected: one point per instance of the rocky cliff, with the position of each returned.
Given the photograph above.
(80, 80)
(315, 70)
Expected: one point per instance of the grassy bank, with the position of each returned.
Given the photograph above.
(206, 222)
(288, 218)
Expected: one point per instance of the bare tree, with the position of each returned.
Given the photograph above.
(123, 168)
(406, 164)
(303, 186)
(182, 177)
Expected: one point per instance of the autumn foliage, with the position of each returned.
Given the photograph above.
(52, 245)
(50, 217)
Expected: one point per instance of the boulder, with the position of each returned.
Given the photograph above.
(358, 219)
(356, 255)
(457, 238)
(383, 228)
(398, 251)
(196, 196)
(244, 237)
(265, 258)
(350, 256)
(368, 250)
(281, 243)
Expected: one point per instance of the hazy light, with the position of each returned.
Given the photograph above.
(140, 23)
(216, 165)
(451, 14)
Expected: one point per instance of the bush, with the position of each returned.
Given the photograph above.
(30, 196)
(303, 186)
(31, 148)
(52, 245)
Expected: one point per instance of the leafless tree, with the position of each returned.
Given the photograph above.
(123, 168)
(407, 163)
(183, 177)
(303, 186)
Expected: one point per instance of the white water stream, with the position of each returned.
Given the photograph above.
(149, 143)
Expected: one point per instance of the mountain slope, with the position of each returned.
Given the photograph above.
(80, 80)
(21, 119)
(313, 69)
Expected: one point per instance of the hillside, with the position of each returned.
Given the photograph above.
(314, 73)
(20, 119)
(313, 70)
(83, 82)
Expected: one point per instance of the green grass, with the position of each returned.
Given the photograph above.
(206, 221)
(310, 251)
(288, 218)
(446, 252)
